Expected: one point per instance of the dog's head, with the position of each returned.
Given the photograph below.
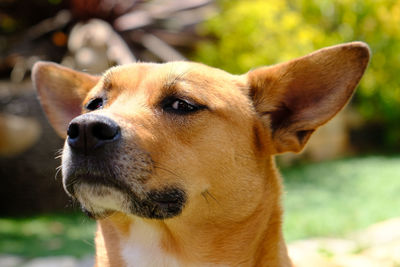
(154, 140)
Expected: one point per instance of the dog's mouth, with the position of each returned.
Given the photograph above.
(103, 192)
(99, 198)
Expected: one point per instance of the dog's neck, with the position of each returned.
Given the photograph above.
(254, 241)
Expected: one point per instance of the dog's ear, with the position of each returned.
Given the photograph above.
(61, 92)
(296, 97)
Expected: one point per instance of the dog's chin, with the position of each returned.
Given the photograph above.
(99, 201)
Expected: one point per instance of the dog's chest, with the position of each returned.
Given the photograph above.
(143, 248)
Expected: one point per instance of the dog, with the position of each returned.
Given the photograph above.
(175, 161)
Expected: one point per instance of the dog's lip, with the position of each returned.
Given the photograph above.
(80, 177)
(168, 202)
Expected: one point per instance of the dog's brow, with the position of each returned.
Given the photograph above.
(107, 84)
(173, 80)
(170, 85)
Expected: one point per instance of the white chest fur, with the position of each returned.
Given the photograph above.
(143, 248)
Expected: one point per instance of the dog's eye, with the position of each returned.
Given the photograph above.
(180, 106)
(95, 103)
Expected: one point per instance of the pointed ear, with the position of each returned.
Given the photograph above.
(61, 92)
(296, 97)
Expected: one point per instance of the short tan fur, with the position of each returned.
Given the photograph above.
(215, 150)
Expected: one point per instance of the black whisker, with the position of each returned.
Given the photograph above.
(204, 194)
(157, 166)
(212, 196)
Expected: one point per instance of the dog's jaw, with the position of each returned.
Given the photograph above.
(179, 242)
(102, 188)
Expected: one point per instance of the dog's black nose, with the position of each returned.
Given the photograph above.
(91, 131)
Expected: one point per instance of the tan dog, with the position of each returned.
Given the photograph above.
(175, 160)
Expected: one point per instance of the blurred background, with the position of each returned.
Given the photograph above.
(342, 200)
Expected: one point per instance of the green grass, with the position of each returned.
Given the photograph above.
(338, 197)
(47, 235)
(324, 199)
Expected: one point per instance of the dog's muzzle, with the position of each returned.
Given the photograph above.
(98, 171)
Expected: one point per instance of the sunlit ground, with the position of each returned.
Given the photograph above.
(325, 199)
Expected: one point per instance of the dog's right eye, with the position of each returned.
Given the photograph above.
(180, 106)
(95, 103)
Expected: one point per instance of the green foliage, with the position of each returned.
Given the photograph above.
(47, 235)
(336, 198)
(260, 32)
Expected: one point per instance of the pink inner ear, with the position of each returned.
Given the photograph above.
(60, 111)
(61, 92)
(70, 112)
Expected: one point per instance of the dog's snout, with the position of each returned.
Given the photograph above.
(89, 132)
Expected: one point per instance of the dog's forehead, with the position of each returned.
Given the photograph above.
(148, 84)
(153, 76)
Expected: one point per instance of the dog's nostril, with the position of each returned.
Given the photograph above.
(89, 132)
(73, 130)
(104, 131)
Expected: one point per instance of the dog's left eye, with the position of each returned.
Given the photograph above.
(180, 106)
(95, 103)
